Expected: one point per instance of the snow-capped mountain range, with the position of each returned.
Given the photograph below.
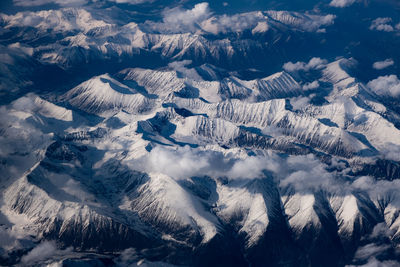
(195, 159)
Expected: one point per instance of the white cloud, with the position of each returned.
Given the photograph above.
(199, 19)
(341, 3)
(56, 20)
(315, 22)
(186, 19)
(377, 248)
(373, 262)
(43, 251)
(379, 65)
(250, 167)
(131, 2)
(71, 3)
(303, 22)
(391, 152)
(311, 86)
(388, 85)
(234, 23)
(22, 48)
(370, 250)
(306, 173)
(180, 163)
(180, 67)
(314, 63)
(303, 173)
(299, 102)
(28, 3)
(382, 24)
(378, 189)
(186, 162)
(8, 239)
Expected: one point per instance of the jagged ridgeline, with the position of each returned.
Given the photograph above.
(125, 143)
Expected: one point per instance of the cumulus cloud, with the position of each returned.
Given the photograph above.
(382, 24)
(28, 3)
(131, 2)
(311, 86)
(235, 23)
(341, 3)
(188, 162)
(388, 85)
(200, 19)
(379, 65)
(315, 22)
(71, 3)
(251, 167)
(56, 20)
(180, 163)
(303, 173)
(185, 19)
(314, 63)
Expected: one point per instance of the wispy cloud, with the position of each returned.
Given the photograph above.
(180, 67)
(44, 251)
(341, 3)
(379, 65)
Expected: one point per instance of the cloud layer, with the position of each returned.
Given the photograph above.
(186, 162)
(303, 173)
